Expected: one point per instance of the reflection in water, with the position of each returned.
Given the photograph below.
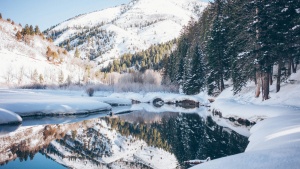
(43, 120)
(188, 136)
(137, 140)
(5, 129)
(39, 161)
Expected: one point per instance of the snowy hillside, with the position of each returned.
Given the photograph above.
(107, 34)
(24, 61)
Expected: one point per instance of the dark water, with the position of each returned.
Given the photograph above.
(186, 135)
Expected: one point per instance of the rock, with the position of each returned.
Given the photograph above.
(247, 122)
(211, 100)
(188, 104)
(135, 102)
(231, 119)
(217, 113)
(158, 102)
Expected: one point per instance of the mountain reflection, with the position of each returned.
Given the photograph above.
(188, 136)
(132, 141)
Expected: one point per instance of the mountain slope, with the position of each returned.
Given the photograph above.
(107, 34)
(24, 61)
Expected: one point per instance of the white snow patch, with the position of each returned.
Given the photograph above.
(7, 117)
(275, 141)
(28, 102)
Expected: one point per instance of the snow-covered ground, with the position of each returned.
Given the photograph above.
(274, 141)
(49, 102)
(25, 62)
(28, 103)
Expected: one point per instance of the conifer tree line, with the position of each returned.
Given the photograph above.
(237, 40)
(28, 30)
(151, 58)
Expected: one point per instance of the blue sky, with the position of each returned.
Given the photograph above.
(46, 13)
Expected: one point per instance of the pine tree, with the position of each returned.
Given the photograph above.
(197, 71)
(18, 35)
(0, 16)
(49, 53)
(37, 30)
(241, 38)
(77, 53)
(264, 44)
(55, 56)
(186, 83)
(218, 60)
(31, 31)
(26, 30)
(181, 53)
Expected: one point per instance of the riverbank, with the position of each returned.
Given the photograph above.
(22, 103)
(275, 139)
(17, 103)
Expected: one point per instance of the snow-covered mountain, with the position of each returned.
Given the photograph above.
(107, 34)
(24, 61)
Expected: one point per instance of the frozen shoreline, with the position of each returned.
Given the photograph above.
(274, 141)
(16, 103)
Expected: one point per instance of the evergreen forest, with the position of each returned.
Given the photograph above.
(237, 41)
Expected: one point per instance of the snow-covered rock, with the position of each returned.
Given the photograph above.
(8, 117)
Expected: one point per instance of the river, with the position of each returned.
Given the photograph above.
(135, 139)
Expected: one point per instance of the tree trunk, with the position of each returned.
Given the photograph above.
(255, 79)
(258, 83)
(278, 77)
(270, 76)
(222, 84)
(265, 86)
(289, 67)
(294, 66)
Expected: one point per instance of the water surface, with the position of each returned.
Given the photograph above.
(87, 141)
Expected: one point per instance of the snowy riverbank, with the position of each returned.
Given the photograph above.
(31, 103)
(21, 102)
(275, 141)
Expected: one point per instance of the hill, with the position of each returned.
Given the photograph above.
(107, 34)
(33, 59)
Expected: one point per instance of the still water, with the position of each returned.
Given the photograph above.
(139, 139)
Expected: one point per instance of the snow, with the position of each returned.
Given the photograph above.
(19, 60)
(8, 117)
(91, 19)
(156, 158)
(274, 141)
(28, 103)
(166, 97)
(135, 26)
